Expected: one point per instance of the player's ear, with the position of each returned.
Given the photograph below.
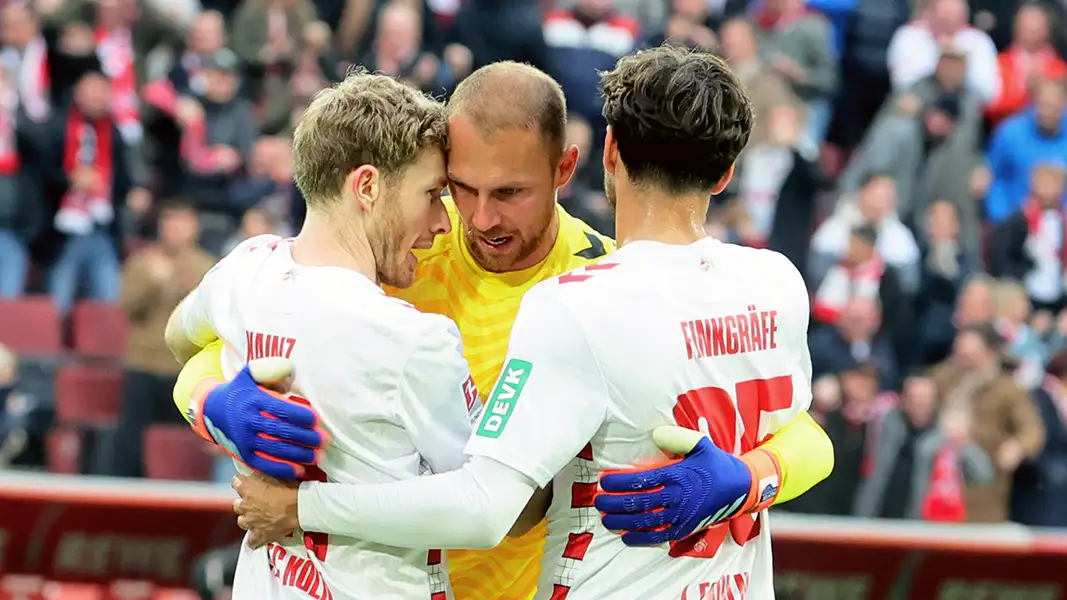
(725, 181)
(364, 183)
(611, 152)
(568, 164)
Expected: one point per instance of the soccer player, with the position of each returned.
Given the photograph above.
(506, 159)
(674, 328)
(388, 382)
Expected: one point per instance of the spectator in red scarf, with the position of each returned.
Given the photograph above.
(1030, 55)
(1029, 246)
(921, 461)
(1004, 421)
(88, 185)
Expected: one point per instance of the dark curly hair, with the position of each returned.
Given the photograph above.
(680, 118)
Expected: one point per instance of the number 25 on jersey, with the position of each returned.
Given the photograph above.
(711, 411)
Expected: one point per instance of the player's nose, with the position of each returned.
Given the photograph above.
(486, 217)
(439, 221)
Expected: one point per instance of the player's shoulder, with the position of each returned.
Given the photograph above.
(355, 308)
(581, 244)
(245, 252)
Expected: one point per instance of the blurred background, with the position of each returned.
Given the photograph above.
(909, 156)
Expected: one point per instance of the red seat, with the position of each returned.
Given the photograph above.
(99, 329)
(176, 594)
(21, 587)
(88, 394)
(54, 590)
(30, 325)
(128, 589)
(175, 452)
(63, 450)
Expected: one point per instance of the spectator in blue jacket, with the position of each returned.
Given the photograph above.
(1036, 135)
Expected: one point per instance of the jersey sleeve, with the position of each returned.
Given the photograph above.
(798, 355)
(437, 396)
(551, 396)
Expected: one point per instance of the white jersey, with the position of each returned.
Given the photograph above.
(389, 382)
(709, 336)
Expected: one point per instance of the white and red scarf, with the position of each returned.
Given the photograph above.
(944, 499)
(843, 283)
(29, 74)
(1045, 245)
(87, 144)
(114, 48)
(9, 105)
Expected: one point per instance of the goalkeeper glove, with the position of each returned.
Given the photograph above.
(271, 433)
(670, 502)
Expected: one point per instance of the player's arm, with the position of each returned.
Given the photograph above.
(189, 326)
(547, 404)
(805, 456)
(265, 430)
(710, 485)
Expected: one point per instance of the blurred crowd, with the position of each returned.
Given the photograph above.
(909, 156)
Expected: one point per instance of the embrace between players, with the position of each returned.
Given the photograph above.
(591, 352)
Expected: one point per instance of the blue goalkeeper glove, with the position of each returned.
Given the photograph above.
(670, 502)
(272, 434)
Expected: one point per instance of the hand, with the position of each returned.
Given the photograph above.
(1009, 455)
(909, 105)
(77, 39)
(981, 178)
(955, 427)
(459, 59)
(784, 126)
(985, 20)
(188, 111)
(425, 69)
(266, 508)
(1061, 322)
(227, 160)
(670, 502)
(139, 200)
(160, 267)
(826, 393)
(1041, 322)
(317, 36)
(787, 67)
(267, 431)
(84, 178)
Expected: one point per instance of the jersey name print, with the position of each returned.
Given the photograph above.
(708, 336)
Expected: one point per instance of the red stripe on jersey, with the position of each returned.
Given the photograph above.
(582, 494)
(577, 545)
(559, 592)
(438, 596)
(433, 557)
(586, 453)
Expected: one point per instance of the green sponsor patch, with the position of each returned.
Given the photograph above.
(502, 401)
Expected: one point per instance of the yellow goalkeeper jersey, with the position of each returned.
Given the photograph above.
(483, 304)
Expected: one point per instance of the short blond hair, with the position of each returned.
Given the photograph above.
(364, 120)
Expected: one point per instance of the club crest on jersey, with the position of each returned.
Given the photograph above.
(501, 403)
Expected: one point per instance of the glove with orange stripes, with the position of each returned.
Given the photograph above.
(672, 501)
(271, 433)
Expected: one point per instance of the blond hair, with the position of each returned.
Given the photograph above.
(363, 120)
